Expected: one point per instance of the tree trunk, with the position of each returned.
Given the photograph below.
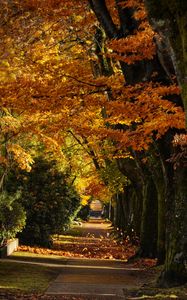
(174, 272)
(170, 21)
(161, 223)
(148, 236)
(158, 171)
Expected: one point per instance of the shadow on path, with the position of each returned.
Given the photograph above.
(101, 278)
(81, 277)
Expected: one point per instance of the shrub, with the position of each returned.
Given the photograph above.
(12, 216)
(50, 202)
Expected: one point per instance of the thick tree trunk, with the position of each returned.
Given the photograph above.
(158, 171)
(104, 18)
(174, 272)
(120, 218)
(161, 223)
(170, 21)
(146, 195)
(123, 198)
(148, 236)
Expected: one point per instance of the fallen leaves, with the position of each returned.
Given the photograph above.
(98, 248)
(14, 296)
(145, 263)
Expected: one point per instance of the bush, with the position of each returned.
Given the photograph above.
(50, 202)
(12, 216)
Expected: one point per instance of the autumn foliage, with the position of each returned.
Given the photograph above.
(94, 90)
(47, 84)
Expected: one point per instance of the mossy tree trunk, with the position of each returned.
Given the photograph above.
(169, 18)
(170, 21)
(175, 272)
(148, 235)
(161, 222)
(120, 212)
(158, 171)
(146, 195)
(129, 212)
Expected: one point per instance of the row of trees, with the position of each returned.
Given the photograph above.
(102, 85)
(156, 167)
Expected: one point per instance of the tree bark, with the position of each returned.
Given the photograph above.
(158, 171)
(148, 236)
(175, 271)
(170, 21)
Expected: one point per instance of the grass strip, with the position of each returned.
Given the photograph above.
(26, 277)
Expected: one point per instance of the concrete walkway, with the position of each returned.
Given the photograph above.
(106, 279)
(91, 278)
(97, 278)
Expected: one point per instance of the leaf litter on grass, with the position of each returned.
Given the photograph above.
(85, 247)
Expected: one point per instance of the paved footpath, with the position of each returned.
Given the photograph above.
(85, 278)
(98, 278)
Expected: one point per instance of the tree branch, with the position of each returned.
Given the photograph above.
(89, 150)
(101, 11)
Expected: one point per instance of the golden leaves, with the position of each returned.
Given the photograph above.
(23, 159)
(50, 88)
(134, 47)
(9, 124)
(138, 45)
(180, 139)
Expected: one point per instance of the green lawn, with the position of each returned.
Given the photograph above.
(25, 277)
(38, 257)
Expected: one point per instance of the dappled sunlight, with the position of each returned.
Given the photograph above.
(93, 175)
(95, 257)
(94, 241)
